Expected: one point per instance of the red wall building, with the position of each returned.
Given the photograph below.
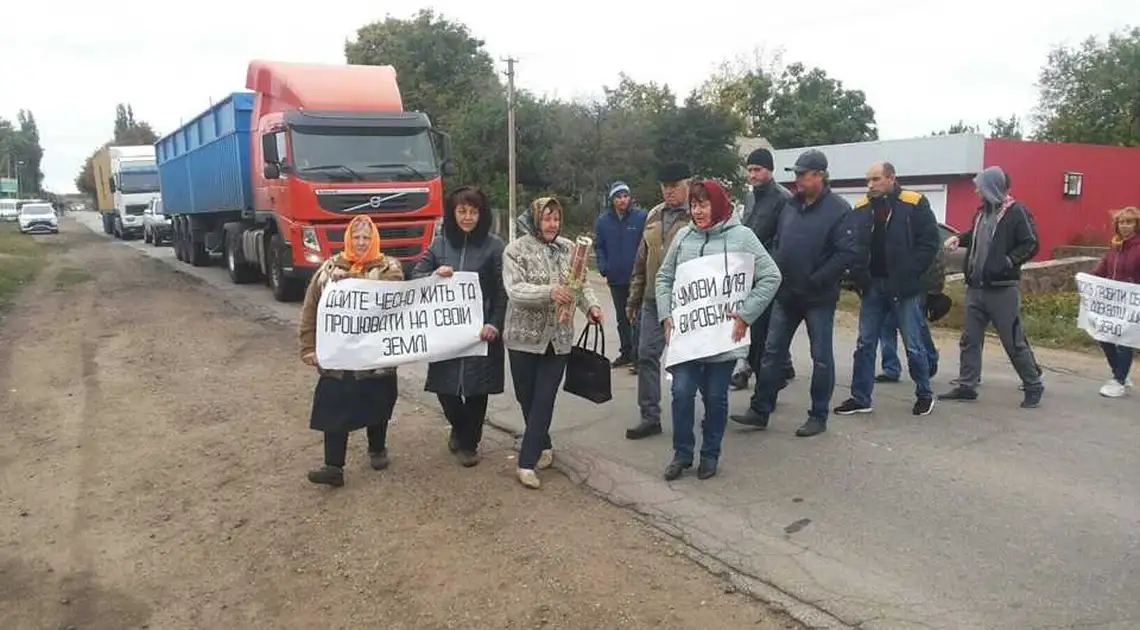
(1070, 188)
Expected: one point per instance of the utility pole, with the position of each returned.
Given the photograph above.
(512, 172)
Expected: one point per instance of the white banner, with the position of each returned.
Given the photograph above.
(1110, 310)
(706, 291)
(369, 324)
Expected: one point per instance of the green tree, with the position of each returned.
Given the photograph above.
(21, 154)
(956, 128)
(1091, 92)
(127, 131)
(794, 106)
(441, 67)
(1008, 128)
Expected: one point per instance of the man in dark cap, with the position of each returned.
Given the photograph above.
(662, 224)
(762, 205)
(816, 243)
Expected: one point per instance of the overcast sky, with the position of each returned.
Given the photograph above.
(923, 65)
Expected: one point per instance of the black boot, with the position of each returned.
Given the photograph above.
(706, 469)
(643, 430)
(675, 468)
(1032, 398)
(378, 459)
(739, 381)
(750, 418)
(959, 393)
(813, 426)
(328, 475)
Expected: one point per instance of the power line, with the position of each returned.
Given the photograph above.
(512, 173)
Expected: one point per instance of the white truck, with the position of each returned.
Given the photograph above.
(126, 179)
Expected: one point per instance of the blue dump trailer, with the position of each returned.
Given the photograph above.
(204, 169)
(204, 166)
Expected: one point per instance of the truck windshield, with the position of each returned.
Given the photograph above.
(131, 182)
(361, 153)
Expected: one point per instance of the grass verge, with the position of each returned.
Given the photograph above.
(1050, 319)
(21, 258)
(69, 277)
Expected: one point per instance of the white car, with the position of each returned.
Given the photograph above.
(38, 218)
(157, 227)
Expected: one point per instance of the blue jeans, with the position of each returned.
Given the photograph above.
(786, 320)
(1119, 360)
(876, 306)
(889, 344)
(711, 380)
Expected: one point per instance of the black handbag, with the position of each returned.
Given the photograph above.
(587, 371)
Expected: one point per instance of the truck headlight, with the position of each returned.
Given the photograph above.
(309, 238)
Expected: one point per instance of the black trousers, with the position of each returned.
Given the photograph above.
(466, 416)
(336, 444)
(536, 378)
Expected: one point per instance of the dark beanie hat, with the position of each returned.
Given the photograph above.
(761, 157)
(674, 172)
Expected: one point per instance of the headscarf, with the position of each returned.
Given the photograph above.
(531, 219)
(718, 199)
(373, 252)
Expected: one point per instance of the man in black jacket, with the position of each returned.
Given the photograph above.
(762, 207)
(815, 245)
(902, 245)
(1002, 238)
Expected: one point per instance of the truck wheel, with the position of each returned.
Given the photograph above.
(198, 255)
(179, 241)
(240, 271)
(118, 229)
(146, 235)
(285, 289)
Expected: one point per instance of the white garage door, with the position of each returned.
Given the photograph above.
(935, 193)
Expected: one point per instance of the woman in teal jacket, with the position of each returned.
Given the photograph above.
(713, 232)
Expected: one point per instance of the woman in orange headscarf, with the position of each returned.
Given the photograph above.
(345, 400)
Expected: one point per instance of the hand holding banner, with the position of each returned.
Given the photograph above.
(1110, 310)
(369, 324)
(706, 291)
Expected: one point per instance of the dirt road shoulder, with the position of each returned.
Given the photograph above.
(153, 476)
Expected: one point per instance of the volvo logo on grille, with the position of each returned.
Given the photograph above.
(375, 201)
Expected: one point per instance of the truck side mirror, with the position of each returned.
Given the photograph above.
(271, 171)
(269, 149)
(443, 144)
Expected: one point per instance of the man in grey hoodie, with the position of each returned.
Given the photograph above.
(1002, 238)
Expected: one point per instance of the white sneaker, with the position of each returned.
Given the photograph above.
(546, 459)
(528, 478)
(1113, 389)
(1128, 382)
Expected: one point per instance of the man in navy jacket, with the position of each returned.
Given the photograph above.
(816, 244)
(901, 245)
(618, 234)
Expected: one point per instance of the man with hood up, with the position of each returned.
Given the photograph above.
(618, 234)
(1002, 238)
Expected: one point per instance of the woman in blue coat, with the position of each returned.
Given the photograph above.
(464, 384)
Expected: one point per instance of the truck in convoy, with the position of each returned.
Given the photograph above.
(126, 179)
(270, 179)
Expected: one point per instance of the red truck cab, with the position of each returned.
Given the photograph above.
(330, 142)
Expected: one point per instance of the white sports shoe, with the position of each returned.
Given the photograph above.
(1113, 389)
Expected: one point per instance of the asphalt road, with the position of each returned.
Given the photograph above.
(982, 515)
